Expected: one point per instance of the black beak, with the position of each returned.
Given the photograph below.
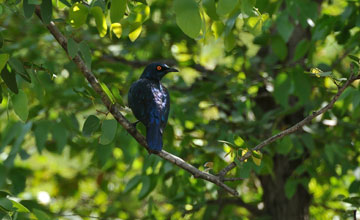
(172, 70)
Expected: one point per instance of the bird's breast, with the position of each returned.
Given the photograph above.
(159, 96)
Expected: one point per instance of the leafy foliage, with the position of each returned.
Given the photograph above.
(249, 69)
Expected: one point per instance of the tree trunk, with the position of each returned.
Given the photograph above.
(276, 204)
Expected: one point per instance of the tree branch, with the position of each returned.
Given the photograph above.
(295, 127)
(114, 110)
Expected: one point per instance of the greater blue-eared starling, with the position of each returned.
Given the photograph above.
(149, 100)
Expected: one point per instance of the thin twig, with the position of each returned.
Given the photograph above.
(295, 127)
(114, 110)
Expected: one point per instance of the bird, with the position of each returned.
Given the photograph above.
(149, 101)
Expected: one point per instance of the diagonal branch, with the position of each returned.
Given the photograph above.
(114, 110)
(294, 128)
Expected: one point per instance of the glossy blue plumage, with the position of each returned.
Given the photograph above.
(149, 100)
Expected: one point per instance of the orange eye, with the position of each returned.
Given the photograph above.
(158, 67)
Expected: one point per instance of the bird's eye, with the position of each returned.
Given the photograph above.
(158, 68)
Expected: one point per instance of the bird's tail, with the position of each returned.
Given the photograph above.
(154, 137)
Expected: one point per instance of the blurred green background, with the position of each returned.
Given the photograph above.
(244, 76)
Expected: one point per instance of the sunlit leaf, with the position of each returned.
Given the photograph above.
(108, 131)
(108, 92)
(133, 35)
(19, 207)
(4, 57)
(99, 20)
(117, 29)
(210, 9)
(78, 14)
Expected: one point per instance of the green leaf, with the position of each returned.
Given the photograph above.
(188, 17)
(72, 48)
(65, 3)
(1, 38)
(91, 124)
(279, 47)
(284, 146)
(11, 131)
(19, 207)
(59, 134)
(41, 215)
(353, 57)
(145, 188)
(1, 96)
(18, 67)
(301, 48)
(290, 187)
(4, 57)
(282, 89)
(225, 6)
(108, 92)
(78, 14)
(6, 204)
(86, 53)
(35, 2)
(20, 105)
(28, 8)
(210, 9)
(284, 26)
(117, 10)
(41, 134)
(132, 183)
(10, 80)
(302, 85)
(354, 187)
(244, 169)
(108, 131)
(46, 11)
(229, 41)
(247, 6)
(99, 20)
(2, 178)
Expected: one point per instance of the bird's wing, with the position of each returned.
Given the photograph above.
(139, 98)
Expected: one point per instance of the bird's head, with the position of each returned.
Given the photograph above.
(156, 71)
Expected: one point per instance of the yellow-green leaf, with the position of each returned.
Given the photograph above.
(117, 29)
(133, 35)
(108, 92)
(4, 57)
(99, 20)
(78, 14)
